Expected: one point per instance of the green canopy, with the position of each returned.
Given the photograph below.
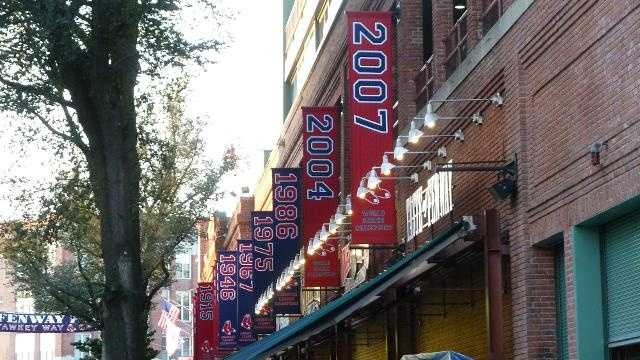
(405, 269)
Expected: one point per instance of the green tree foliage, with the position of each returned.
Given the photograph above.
(75, 67)
(57, 257)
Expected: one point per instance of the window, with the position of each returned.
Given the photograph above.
(48, 346)
(427, 30)
(185, 348)
(183, 263)
(25, 346)
(24, 303)
(456, 44)
(491, 12)
(459, 8)
(320, 24)
(184, 304)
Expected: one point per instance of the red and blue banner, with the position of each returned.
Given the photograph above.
(263, 233)
(41, 323)
(227, 284)
(205, 328)
(371, 95)
(286, 209)
(246, 293)
(320, 189)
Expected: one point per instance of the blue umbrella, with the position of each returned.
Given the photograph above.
(441, 355)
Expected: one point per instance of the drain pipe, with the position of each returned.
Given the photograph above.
(493, 284)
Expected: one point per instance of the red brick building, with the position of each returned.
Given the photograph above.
(558, 278)
(191, 265)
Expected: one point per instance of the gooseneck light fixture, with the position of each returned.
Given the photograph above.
(373, 178)
(431, 118)
(400, 151)
(414, 135)
(386, 166)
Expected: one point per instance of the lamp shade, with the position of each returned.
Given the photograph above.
(414, 133)
(386, 166)
(347, 205)
(399, 151)
(333, 226)
(373, 180)
(324, 234)
(362, 193)
(430, 118)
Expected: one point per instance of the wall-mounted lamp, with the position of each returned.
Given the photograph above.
(373, 179)
(386, 166)
(506, 185)
(431, 118)
(415, 134)
(400, 151)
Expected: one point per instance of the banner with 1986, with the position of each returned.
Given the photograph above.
(286, 210)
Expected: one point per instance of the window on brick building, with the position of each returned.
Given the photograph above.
(459, 8)
(491, 12)
(427, 30)
(184, 304)
(185, 347)
(456, 42)
(321, 24)
(183, 263)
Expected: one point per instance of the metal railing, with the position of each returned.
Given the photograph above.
(456, 44)
(424, 83)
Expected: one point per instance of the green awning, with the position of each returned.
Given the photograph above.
(402, 271)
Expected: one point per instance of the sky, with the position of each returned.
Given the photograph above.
(242, 93)
(240, 96)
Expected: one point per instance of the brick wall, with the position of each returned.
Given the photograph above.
(239, 223)
(450, 319)
(367, 340)
(570, 78)
(321, 352)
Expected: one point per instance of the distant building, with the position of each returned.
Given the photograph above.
(188, 269)
(14, 346)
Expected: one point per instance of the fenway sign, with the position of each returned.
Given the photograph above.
(429, 204)
(41, 323)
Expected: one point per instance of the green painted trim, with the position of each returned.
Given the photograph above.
(562, 341)
(587, 281)
(613, 213)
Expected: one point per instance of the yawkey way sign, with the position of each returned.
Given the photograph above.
(40, 323)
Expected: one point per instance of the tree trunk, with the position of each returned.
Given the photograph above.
(108, 117)
(117, 176)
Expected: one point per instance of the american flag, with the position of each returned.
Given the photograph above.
(169, 313)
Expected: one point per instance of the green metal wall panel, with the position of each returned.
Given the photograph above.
(561, 304)
(621, 265)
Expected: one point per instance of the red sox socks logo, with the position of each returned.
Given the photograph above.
(375, 195)
(247, 322)
(206, 348)
(227, 328)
